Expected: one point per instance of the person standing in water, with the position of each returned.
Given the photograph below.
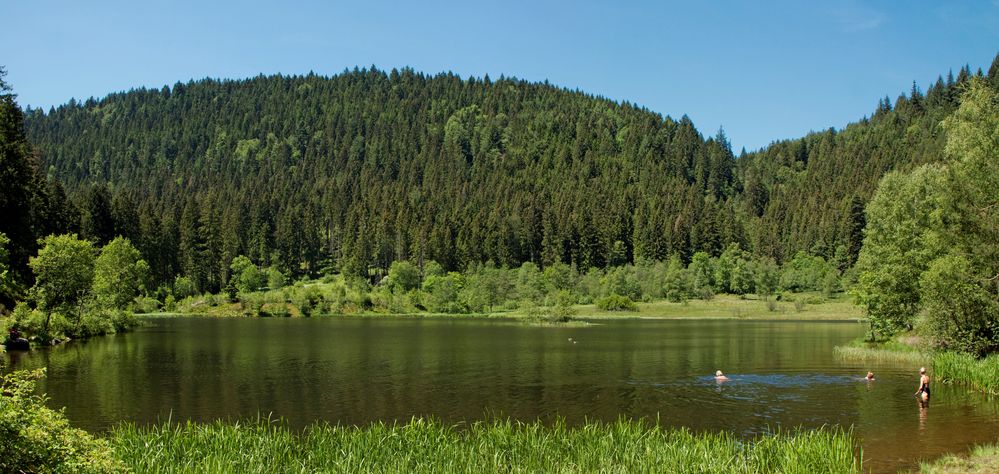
(924, 385)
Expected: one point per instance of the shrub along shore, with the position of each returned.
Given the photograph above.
(557, 290)
(38, 439)
(334, 297)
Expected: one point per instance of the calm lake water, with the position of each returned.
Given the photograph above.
(355, 371)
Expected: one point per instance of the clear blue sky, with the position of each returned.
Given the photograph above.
(763, 70)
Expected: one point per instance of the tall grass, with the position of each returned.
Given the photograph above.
(879, 355)
(493, 446)
(980, 374)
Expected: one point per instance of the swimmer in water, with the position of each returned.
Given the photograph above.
(870, 376)
(720, 377)
(924, 385)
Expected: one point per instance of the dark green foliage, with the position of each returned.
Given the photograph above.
(31, 205)
(36, 438)
(615, 302)
(245, 276)
(367, 167)
(97, 223)
(404, 275)
(808, 194)
(930, 244)
(8, 286)
(355, 171)
(961, 314)
(901, 239)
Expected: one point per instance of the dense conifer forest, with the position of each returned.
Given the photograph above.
(312, 174)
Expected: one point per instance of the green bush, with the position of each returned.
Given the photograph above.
(278, 310)
(146, 304)
(960, 312)
(252, 302)
(275, 279)
(309, 300)
(30, 321)
(169, 303)
(404, 275)
(616, 302)
(92, 323)
(36, 438)
(184, 287)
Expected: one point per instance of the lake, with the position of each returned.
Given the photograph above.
(359, 370)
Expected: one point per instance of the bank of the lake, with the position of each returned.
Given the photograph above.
(980, 460)
(792, 306)
(947, 367)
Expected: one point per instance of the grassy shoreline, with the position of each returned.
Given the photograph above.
(492, 446)
(981, 459)
(721, 307)
(948, 367)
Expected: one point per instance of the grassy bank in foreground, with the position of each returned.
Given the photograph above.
(495, 446)
(981, 460)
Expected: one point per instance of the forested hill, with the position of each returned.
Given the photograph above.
(809, 194)
(366, 167)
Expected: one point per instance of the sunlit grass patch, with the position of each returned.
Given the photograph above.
(736, 307)
(490, 446)
(981, 459)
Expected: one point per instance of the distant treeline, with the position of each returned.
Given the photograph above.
(349, 173)
(485, 288)
(355, 171)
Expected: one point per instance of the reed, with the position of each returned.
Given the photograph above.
(979, 374)
(879, 355)
(491, 446)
